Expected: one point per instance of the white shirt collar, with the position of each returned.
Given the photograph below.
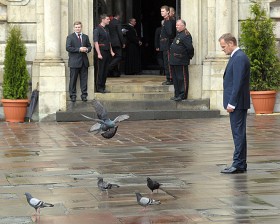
(236, 49)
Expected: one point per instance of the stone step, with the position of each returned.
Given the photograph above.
(134, 96)
(142, 110)
(136, 88)
(132, 105)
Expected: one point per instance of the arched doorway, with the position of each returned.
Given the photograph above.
(148, 17)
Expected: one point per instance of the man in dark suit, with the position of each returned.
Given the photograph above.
(236, 99)
(158, 51)
(117, 43)
(78, 45)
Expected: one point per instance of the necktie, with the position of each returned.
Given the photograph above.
(79, 37)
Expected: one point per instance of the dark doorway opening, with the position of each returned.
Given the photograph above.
(148, 17)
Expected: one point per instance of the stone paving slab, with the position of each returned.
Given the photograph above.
(60, 162)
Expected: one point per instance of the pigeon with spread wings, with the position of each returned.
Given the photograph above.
(105, 125)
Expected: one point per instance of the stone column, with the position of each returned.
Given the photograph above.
(222, 18)
(52, 29)
(51, 68)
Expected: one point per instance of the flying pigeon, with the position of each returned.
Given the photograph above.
(104, 186)
(36, 203)
(144, 201)
(105, 125)
(153, 184)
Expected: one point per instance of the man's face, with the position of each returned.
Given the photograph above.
(106, 20)
(227, 47)
(172, 12)
(133, 22)
(180, 26)
(164, 13)
(78, 28)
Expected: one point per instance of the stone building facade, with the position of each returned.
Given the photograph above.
(46, 24)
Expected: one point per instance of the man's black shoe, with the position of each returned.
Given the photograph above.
(73, 99)
(232, 170)
(166, 83)
(177, 99)
(84, 99)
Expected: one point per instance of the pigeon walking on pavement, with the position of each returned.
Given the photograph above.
(153, 184)
(36, 203)
(144, 201)
(105, 125)
(105, 186)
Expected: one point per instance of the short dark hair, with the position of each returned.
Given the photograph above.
(227, 37)
(165, 7)
(77, 23)
(103, 16)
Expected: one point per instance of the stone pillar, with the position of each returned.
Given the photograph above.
(191, 12)
(222, 18)
(52, 29)
(49, 64)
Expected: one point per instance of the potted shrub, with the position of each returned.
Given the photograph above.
(15, 77)
(258, 41)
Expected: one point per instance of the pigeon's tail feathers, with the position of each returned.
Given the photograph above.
(95, 128)
(115, 185)
(45, 204)
(121, 118)
(110, 133)
(100, 110)
(154, 202)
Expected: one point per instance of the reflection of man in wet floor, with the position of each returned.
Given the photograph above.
(117, 43)
(157, 48)
(133, 57)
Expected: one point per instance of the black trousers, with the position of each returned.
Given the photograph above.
(102, 69)
(180, 80)
(74, 73)
(113, 66)
(238, 127)
(167, 70)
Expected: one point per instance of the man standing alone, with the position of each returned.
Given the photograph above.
(78, 45)
(236, 100)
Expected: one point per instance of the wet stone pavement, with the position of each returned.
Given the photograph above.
(60, 162)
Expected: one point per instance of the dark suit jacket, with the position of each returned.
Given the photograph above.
(157, 37)
(115, 31)
(236, 81)
(77, 58)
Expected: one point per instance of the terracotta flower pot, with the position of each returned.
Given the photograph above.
(15, 110)
(263, 101)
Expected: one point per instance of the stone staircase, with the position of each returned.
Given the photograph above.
(143, 98)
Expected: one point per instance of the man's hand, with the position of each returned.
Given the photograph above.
(229, 109)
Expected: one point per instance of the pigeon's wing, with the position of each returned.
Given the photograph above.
(144, 201)
(110, 133)
(100, 110)
(34, 202)
(121, 118)
(90, 118)
(95, 128)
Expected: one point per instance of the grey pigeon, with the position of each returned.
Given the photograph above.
(104, 186)
(105, 125)
(144, 201)
(36, 203)
(153, 184)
